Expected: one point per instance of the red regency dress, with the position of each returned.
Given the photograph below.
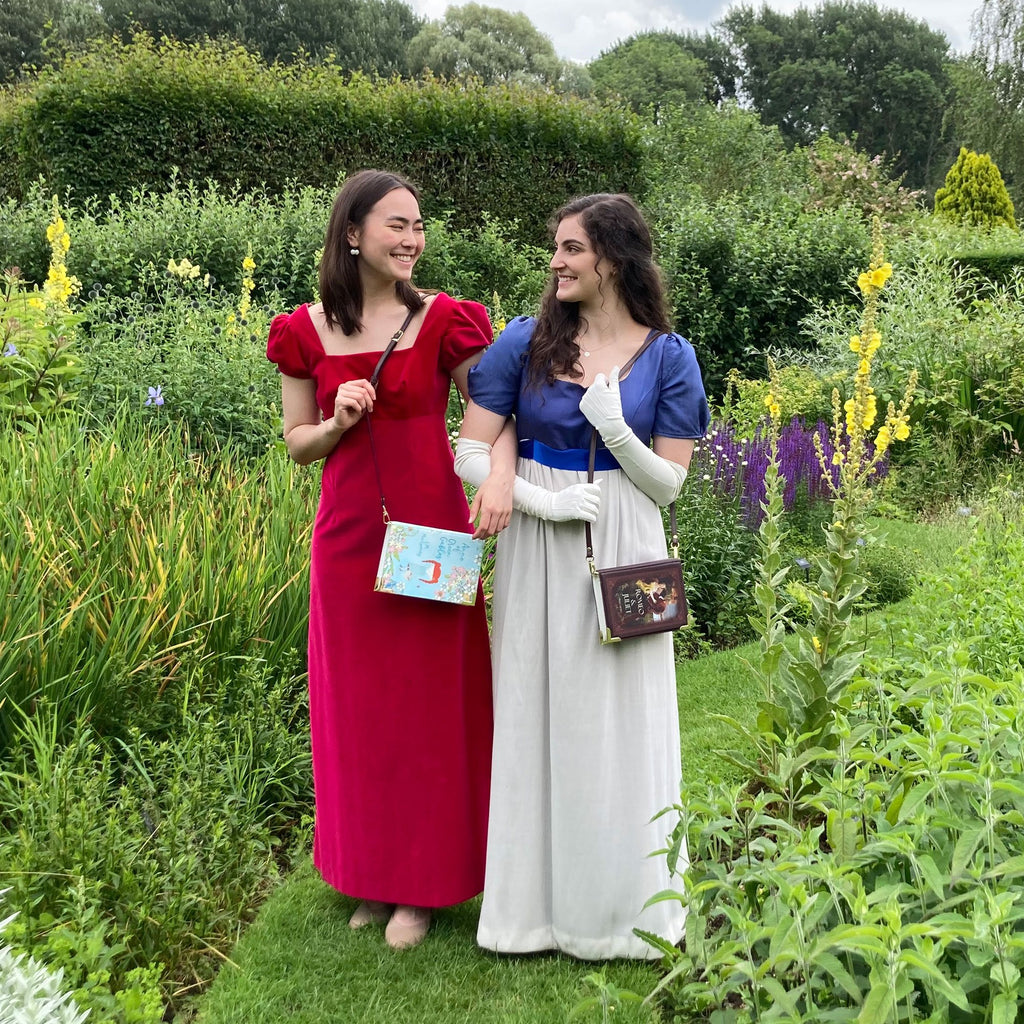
(399, 688)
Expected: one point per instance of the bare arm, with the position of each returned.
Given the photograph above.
(675, 449)
(307, 435)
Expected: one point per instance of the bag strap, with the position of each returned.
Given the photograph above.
(654, 333)
(374, 377)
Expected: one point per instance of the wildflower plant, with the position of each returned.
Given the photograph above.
(37, 335)
(802, 689)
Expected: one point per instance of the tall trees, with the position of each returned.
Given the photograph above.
(848, 68)
(494, 46)
(654, 69)
(988, 112)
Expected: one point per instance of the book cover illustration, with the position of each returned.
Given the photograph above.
(422, 561)
(641, 596)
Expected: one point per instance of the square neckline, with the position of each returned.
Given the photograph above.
(369, 351)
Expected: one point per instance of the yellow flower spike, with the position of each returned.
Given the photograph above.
(248, 264)
(902, 431)
(816, 644)
(864, 283)
(864, 367)
(855, 343)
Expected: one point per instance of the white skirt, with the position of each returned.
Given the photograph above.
(586, 741)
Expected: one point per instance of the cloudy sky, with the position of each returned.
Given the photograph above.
(581, 29)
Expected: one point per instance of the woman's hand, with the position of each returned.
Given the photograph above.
(492, 505)
(353, 400)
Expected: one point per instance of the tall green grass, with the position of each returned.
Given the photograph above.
(132, 570)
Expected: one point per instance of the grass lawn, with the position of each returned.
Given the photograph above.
(299, 963)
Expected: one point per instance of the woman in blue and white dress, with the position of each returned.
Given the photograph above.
(586, 736)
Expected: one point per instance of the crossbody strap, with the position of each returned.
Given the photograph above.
(654, 333)
(374, 377)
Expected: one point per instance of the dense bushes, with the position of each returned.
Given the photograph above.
(119, 117)
(741, 281)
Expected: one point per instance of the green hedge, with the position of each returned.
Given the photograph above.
(121, 116)
(741, 280)
(996, 266)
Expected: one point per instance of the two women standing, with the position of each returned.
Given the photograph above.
(586, 744)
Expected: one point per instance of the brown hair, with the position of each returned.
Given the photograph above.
(618, 234)
(341, 290)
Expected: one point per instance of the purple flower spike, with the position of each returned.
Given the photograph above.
(155, 396)
(11, 349)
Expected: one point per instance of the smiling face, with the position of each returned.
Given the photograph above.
(390, 238)
(580, 273)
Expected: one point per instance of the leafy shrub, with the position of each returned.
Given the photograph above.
(133, 864)
(891, 573)
(895, 894)
(741, 280)
(117, 242)
(717, 552)
(215, 112)
(208, 361)
(799, 391)
(841, 175)
(974, 192)
(964, 335)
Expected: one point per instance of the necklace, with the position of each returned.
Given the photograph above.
(586, 352)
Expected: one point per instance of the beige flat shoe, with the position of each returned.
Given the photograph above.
(408, 927)
(370, 912)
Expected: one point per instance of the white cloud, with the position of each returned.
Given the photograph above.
(581, 30)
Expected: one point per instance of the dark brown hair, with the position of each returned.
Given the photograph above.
(341, 290)
(619, 235)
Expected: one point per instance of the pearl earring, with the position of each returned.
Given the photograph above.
(355, 252)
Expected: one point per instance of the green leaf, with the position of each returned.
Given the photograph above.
(877, 1005)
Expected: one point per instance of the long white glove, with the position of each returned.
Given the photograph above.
(577, 501)
(660, 479)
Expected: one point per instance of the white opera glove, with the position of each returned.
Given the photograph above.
(577, 501)
(660, 479)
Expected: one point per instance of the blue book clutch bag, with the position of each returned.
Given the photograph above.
(422, 561)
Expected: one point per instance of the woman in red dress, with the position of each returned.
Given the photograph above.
(399, 688)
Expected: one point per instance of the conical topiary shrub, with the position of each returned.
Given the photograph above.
(974, 192)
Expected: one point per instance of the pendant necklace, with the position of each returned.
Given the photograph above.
(585, 352)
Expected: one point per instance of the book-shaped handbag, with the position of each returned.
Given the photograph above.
(423, 561)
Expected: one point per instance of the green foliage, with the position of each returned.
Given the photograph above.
(842, 175)
(742, 280)
(216, 112)
(653, 70)
(135, 571)
(895, 894)
(849, 69)
(495, 46)
(974, 192)
(477, 263)
(891, 573)
(964, 334)
(38, 361)
(718, 560)
(207, 359)
(716, 153)
(130, 863)
(798, 390)
(987, 109)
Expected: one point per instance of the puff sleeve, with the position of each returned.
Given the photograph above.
(285, 347)
(495, 381)
(682, 407)
(468, 330)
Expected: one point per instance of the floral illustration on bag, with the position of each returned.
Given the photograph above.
(421, 561)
